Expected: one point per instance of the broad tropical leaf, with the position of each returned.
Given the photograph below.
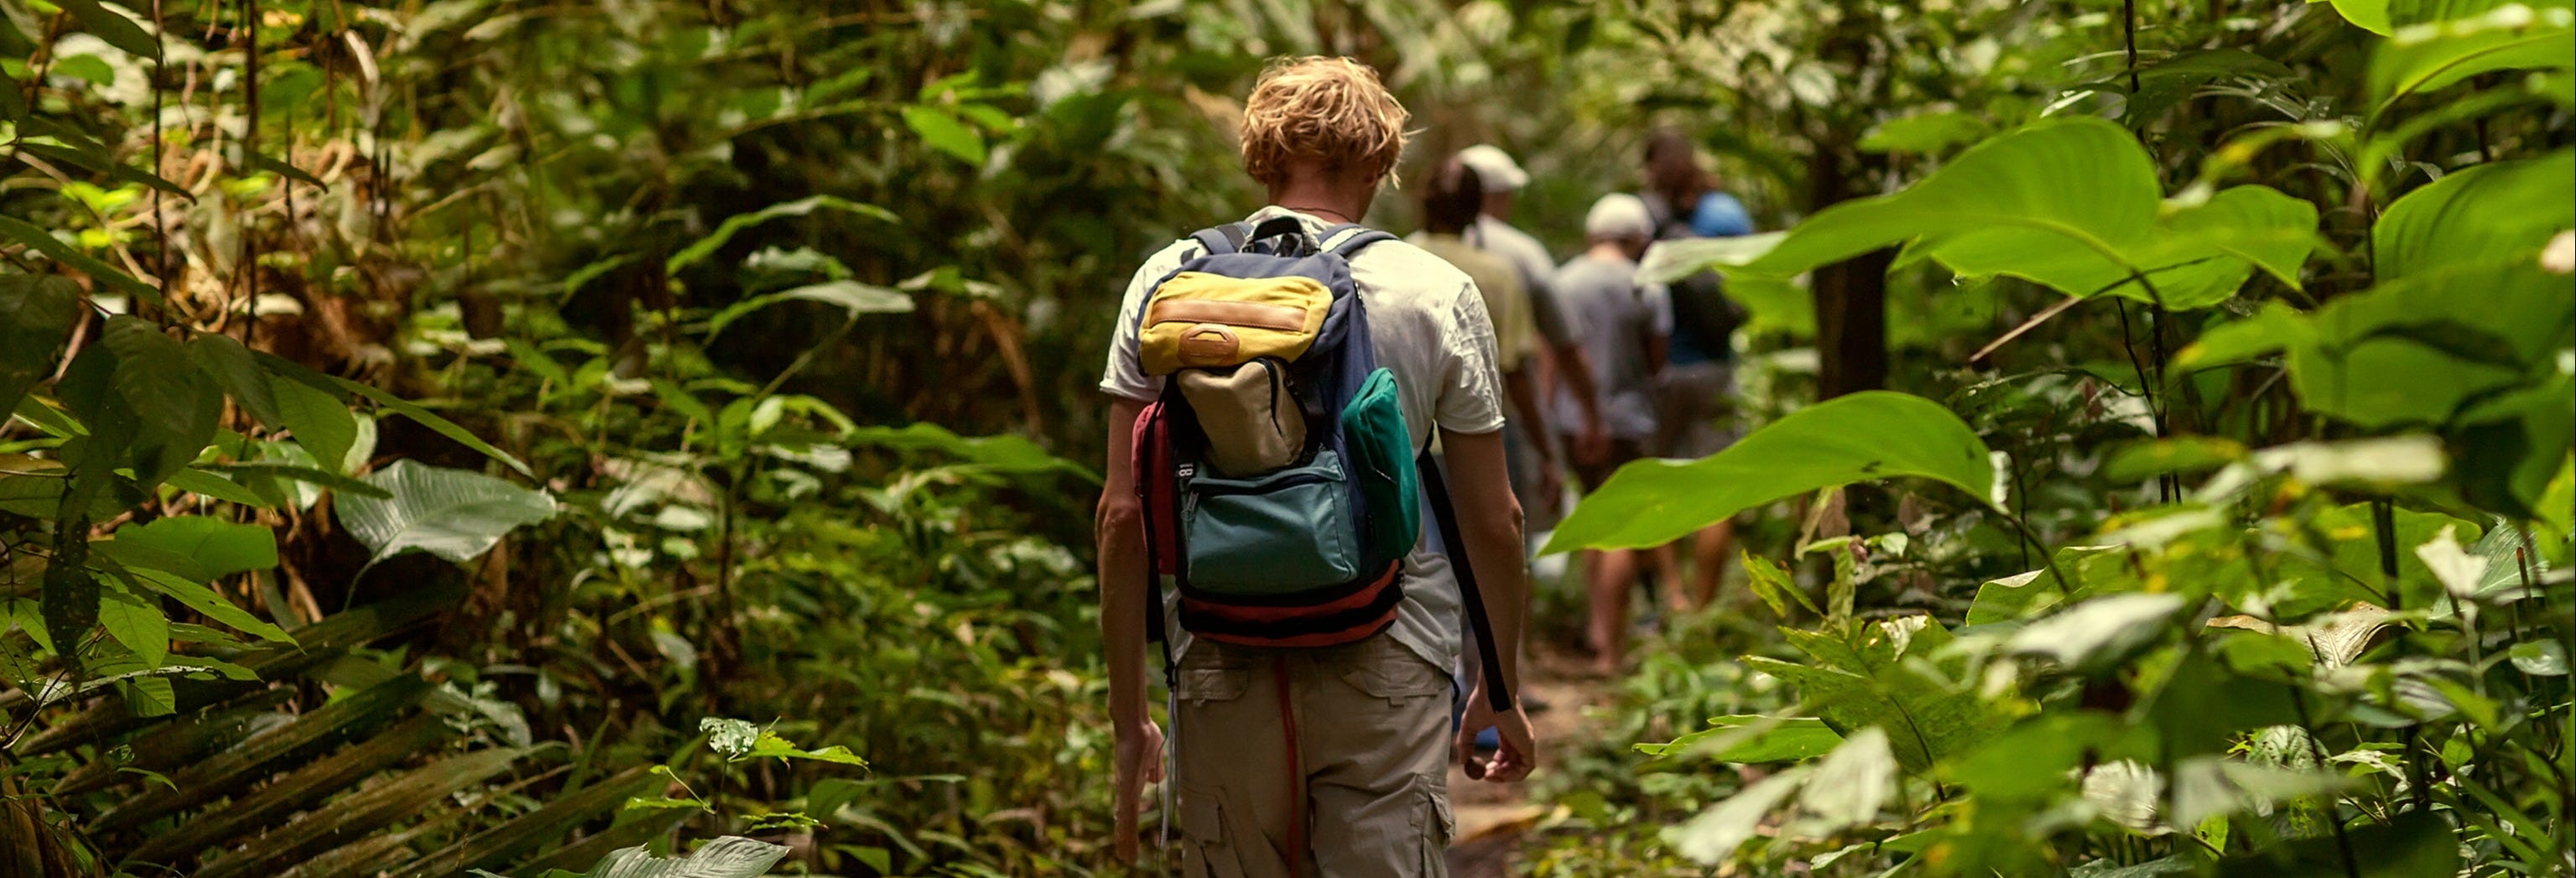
(147, 405)
(2069, 203)
(198, 548)
(1860, 437)
(728, 857)
(2431, 57)
(451, 513)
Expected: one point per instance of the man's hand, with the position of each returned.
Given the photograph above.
(1551, 488)
(1140, 762)
(1519, 753)
(1592, 444)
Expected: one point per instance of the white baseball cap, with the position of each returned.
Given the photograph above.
(1494, 168)
(1619, 215)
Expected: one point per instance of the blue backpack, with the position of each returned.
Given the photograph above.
(1307, 551)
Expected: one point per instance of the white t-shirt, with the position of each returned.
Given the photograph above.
(1614, 315)
(1538, 273)
(1428, 324)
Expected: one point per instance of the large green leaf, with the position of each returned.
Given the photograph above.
(342, 387)
(232, 366)
(117, 30)
(2490, 213)
(196, 596)
(2433, 56)
(2069, 203)
(36, 314)
(1713, 836)
(147, 405)
(196, 547)
(2384, 16)
(451, 513)
(946, 133)
(137, 622)
(1854, 438)
(727, 857)
(320, 420)
(1888, 681)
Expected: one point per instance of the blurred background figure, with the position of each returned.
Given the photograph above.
(1450, 203)
(1693, 396)
(1561, 359)
(1623, 326)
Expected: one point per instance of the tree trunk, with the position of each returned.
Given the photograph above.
(1850, 296)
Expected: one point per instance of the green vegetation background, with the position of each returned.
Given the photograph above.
(485, 434)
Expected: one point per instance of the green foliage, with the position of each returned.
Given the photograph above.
(1856, 438)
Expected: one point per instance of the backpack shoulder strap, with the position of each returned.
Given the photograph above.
(1220, 240)
(1348, 239)
(1454, 541)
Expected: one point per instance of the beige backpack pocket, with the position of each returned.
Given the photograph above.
(1251, 420)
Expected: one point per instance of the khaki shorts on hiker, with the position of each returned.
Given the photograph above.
(1361, 792)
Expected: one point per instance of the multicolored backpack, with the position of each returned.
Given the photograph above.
(1278, 479)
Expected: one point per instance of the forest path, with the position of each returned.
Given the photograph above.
(1493, 817)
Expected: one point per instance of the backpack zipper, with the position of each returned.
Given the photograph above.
(1263, 488)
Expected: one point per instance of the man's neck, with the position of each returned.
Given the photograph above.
(1335, 197)
(1608, 251)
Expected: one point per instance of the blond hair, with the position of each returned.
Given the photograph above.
(1332, 111)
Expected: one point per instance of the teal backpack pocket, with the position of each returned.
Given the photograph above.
(1382, 460)
(1276, 533)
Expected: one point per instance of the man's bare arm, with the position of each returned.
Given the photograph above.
(1489, 521)
(1119, 527)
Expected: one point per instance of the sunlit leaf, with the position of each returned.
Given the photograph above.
(726, 857)
(1859, 437)
(1713, 836)
(946, 133)
(454, 514)
(2433, 56)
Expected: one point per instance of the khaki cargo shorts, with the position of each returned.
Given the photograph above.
(1367, 766)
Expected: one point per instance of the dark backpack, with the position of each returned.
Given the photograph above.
(1307, 552)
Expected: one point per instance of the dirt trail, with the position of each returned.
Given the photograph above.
(1492, 817)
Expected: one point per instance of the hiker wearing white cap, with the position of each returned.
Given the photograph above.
(1494, 233)
(1696, 393)
(1624, 327)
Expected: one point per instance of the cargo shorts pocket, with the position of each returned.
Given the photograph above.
(1388, 670)
(1210, 673)
(1206, 851)
(1433, 822)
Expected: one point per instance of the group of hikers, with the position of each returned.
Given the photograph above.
(1322, 440)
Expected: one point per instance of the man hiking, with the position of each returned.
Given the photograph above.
(1693, 395)
(1625, 327)
(1305, 760)
(1563, 354)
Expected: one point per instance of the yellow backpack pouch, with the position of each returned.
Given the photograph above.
(1199, 320)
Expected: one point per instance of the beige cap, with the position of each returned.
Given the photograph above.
(1494, 168)
(1619, 215)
